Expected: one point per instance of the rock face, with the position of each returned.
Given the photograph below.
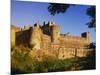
(48, 37)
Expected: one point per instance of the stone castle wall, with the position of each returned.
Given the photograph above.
(75, 42)
(14, 29)
(49, 39)
(23, 37)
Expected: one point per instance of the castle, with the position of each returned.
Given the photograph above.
(48, 37)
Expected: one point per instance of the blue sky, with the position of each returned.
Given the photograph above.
(73, 21)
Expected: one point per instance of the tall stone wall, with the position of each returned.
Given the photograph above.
(86, 35)
(66, 53)
(55, 33)
(75, 41)
(46, 42)
(14, 29)
(35, 39)
(72, 52)
(29, 36)
(23, 37)
(48, 39)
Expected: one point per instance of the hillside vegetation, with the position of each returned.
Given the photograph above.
(22, 61)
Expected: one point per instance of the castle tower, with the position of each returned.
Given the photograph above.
(14, 29)
(35, 39)
(87, 36)
(55, 33)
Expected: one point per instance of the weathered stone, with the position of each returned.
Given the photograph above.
(49, 38)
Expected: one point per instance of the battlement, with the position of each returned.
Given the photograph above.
(48, 37)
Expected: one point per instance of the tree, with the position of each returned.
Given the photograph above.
(92, 45)
(91, 12)
(55, 8)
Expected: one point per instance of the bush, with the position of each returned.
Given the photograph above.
(21, 62)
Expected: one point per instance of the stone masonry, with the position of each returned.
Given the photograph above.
(47, 37)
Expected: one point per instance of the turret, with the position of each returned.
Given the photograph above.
(14, 29)
(87, 36)
(44, 23)
(55, 33)
(35, 39)
(36, 25)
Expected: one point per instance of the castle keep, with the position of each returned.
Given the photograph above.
(48, 37)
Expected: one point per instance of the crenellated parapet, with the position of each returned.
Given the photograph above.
(47, 36)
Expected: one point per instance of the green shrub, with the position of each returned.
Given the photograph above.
(21, 62)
